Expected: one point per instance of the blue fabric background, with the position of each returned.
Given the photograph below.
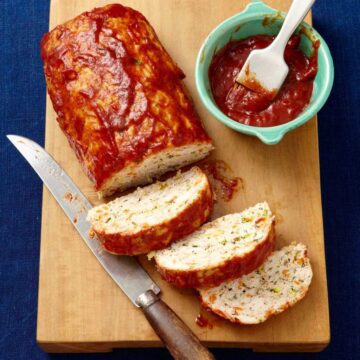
(22, 109)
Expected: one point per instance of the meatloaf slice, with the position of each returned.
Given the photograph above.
(279, 283)
(226, 248)
(152, 217)
(119, 99)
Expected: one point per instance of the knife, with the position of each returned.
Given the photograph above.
(124, 270)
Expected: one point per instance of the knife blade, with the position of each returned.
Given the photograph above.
(124, 270)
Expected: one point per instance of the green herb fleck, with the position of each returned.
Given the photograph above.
(276, 290)
(293, 291)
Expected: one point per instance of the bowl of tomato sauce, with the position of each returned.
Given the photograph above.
(304, 92)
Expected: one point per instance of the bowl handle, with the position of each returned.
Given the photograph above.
(271, 137)
(257, 6)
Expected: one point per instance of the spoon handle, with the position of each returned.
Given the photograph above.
(295, 15)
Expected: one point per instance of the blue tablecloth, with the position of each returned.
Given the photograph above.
(22, 109)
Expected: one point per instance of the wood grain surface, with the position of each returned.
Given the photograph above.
(81, 309)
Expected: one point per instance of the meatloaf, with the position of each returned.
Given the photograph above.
(223, 249)
(276, 285)
(152, 217)
(119, 99)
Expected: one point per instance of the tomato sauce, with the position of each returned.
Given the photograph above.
(202, 322)
(223, 185)
(258, 108)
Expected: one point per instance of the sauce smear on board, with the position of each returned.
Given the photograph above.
(202, 322)
(258, 108)
(218, 172)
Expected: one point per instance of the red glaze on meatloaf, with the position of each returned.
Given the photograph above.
(119, 97)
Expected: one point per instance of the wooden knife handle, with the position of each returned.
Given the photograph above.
(176, 336)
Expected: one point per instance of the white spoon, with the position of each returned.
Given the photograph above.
(265, 70)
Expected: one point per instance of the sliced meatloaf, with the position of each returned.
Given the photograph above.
(153, 216)
(226, 248)
(119, 99)
(279, 283)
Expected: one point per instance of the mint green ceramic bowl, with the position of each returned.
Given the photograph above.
(258, 18)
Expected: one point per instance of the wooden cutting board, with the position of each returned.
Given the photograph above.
(82, 310)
